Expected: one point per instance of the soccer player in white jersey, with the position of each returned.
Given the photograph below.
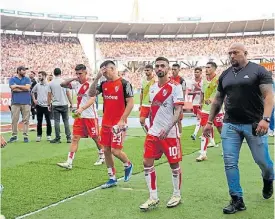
(196, 99)
(166, 97)
(86, 121)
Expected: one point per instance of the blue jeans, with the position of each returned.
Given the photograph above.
(232, 138)
(271, 125)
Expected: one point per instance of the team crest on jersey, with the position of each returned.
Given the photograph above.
(116, 88)
(164, 92)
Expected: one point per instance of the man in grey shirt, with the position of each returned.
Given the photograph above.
(40, 99)
(58, 97)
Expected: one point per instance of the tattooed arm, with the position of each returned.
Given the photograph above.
(94, 89)
(216, 105)
(177, 111)
(267, 93)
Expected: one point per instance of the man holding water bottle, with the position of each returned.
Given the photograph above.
(86, 119)
(118, 103)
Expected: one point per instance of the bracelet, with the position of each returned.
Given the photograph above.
(209, 122)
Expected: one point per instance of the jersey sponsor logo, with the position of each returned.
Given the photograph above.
(110, 97)
(158, 103)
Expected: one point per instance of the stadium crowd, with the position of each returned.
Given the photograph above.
(41, 52)
(122, 48)
(48, 52)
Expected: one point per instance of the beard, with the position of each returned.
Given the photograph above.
(235, 63)
(161, 74)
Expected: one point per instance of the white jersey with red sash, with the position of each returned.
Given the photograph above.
(82, 99)
(196, 88)
(163, 100)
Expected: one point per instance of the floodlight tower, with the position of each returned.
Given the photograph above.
(135, 11)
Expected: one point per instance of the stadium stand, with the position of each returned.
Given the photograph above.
(122, 48)
(48, 52)
(40, 53)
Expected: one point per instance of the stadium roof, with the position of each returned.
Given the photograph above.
(13, 22)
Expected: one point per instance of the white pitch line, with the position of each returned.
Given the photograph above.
(131, 189)
(62, 201)
(70, 198)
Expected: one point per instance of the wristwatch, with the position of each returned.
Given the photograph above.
(267, 119)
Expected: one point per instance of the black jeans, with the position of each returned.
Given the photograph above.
(63, 111)
(33, 111)
(40, 112)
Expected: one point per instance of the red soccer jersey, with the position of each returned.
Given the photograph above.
(114, 100)
(178, 79)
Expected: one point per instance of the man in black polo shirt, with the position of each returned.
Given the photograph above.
(248, 106)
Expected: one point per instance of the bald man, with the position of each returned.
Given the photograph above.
(248, 106)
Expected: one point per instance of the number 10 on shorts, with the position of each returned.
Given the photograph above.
(173, 151)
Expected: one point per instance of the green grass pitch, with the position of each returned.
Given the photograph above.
(32, 181)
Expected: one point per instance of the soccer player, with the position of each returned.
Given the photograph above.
(166, 99)
(86, 121)
(144, 96)
(118, 102)
(196, 100)
(181, 81)
(209, 91)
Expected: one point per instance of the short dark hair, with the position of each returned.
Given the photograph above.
(213, 64)
(176, 65)
(162, 59)
(57, 71)
(198, 69)
(149, 66)
(43, 73)
(80, 67)
(107, 62)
